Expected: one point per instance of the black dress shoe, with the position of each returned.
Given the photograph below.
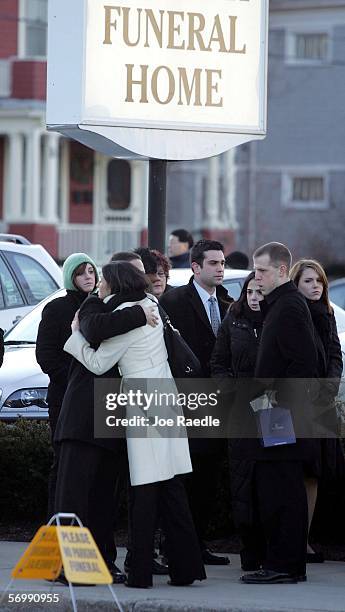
(315, 557)
(61, 579)
(159, 569)
(179, 584)
(301, 577)
(211, 559)
(269, 577)
(132, 585)
(251, 567)
(118, 576)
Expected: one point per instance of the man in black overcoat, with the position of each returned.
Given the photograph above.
(190, 311)
(287, 352)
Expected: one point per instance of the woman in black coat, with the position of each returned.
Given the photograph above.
(234, 356)
(311, 281)
(80, 278)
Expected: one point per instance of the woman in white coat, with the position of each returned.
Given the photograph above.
(155, 461)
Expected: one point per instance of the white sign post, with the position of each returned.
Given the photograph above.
(158, 79)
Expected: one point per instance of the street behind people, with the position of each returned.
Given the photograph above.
(287, 352)
(154, 462)
(311, 280)
(196, 310)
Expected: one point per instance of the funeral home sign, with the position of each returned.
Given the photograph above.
(168, 79)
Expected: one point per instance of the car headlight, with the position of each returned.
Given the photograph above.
(26, 398)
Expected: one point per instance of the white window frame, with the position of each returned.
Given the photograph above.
(22, 33)
(290, 45)
(288, 177)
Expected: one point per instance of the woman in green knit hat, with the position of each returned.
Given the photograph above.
(80, 278)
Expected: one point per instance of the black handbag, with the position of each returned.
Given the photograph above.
(182, 361)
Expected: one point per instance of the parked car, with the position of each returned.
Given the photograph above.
(23, 385)
(28, 274)
(337, 292)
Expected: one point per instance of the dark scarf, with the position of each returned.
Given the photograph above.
(254, 316)
(78, 296)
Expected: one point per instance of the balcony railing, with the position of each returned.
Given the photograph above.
(99, 242)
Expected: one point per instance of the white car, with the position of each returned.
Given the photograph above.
(23, 386)
(28, 274)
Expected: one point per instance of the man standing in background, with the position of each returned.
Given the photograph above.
(180, 243)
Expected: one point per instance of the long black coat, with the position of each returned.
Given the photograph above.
(188, 315)
(76, 420)
(53, 332)
(330, 367)
(234, 358)
(288, 351)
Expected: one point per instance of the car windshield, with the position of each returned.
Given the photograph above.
(27, 328)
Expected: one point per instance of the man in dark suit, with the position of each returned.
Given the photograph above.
(196, 310)
(287, 353)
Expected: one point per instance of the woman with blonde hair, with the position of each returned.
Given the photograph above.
(311, 281)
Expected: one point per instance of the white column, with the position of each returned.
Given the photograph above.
(230, 189)
(139, 193)
(33, 176)
(13, 196)
(51, 175)
(64, 182)
(212, 198)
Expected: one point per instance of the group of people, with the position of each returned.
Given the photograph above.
(281, 327)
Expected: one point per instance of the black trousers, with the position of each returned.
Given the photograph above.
(283, 514)
(87, 476)
(54, 412)
(168, 499)
(201, 487)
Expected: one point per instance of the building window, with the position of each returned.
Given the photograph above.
(81, 174)
(33, 28)
(308, 48)
(305, 191)
(311, 46)
(119, 184)
(308, 189)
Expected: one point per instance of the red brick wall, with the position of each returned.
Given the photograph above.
(8, 28)
(38, 233)
(2, 161)
(29, 80)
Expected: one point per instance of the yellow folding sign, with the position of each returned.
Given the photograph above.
(42, 558)
(82, 561)
(71, 547)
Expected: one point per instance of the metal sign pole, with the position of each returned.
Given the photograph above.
(157, 204)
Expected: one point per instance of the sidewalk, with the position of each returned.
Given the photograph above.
(222, 592)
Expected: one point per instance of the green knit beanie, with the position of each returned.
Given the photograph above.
(72, 262)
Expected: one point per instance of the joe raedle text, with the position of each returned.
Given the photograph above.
(160, 422)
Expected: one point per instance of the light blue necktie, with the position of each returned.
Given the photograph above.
(215, 323)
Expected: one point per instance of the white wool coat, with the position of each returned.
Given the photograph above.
(140, 353)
